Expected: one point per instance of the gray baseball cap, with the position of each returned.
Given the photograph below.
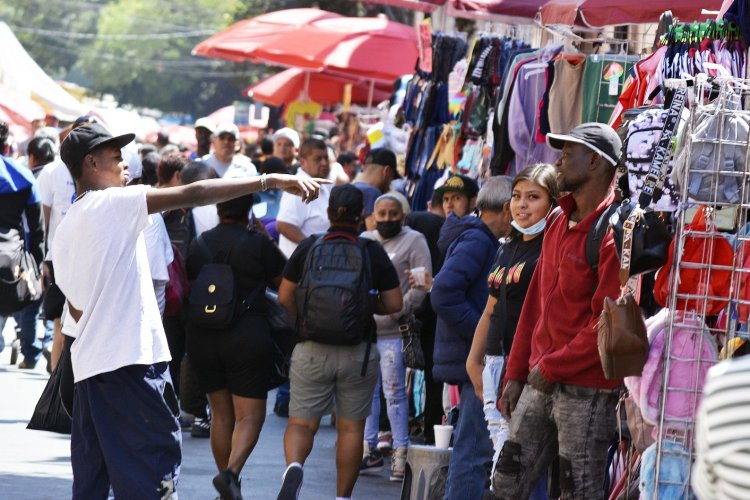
(598, 137)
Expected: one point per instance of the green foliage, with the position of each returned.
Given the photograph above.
(160, 72)
(92, 43)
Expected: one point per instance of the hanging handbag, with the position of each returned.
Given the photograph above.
(650, 237)
(411, 346)
(622, 342)
(20, 277)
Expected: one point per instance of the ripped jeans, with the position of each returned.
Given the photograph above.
(496, 424)
(576, 422)
(393, 380)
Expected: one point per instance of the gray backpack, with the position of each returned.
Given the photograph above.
(334, 303)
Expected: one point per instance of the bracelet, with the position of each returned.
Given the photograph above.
(263, 182)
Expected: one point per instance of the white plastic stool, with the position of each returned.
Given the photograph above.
(426, 472)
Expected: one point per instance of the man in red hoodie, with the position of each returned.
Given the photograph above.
(556, 396)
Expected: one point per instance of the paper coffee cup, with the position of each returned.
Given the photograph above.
(443, 435)
(419, 275)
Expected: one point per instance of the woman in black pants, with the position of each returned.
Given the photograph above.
(234, 365)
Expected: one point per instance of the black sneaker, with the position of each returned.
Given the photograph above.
(48, 356)
(201, 428)
(291, 483)
(15, 348)
(228, 485)
(372, 463)
(281, 410)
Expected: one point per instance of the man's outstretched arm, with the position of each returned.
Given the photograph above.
(213, 191)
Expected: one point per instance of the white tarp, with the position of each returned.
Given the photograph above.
(22, 74)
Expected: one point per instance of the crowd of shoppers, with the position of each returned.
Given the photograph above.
(508, 308)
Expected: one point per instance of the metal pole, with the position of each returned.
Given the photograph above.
(370, 96)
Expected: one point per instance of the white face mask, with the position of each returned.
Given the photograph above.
(531, 230)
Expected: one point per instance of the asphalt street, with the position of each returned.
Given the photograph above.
(35, 465)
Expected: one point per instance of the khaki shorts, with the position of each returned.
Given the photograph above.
(324, 377)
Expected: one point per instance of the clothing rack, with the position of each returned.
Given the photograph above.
(693, 308)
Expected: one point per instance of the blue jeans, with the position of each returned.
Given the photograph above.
(472, 449)
(27, 323)
(393, 380)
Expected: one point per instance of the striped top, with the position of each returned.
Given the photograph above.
(722, 436)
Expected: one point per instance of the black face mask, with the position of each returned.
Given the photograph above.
(388, 229)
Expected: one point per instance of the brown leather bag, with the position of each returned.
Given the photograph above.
(623, 344)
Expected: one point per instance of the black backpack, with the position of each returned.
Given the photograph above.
(334, 304)
(213, 302)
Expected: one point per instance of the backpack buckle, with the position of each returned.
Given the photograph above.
(210, 309)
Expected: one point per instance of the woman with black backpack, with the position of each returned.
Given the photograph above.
(233, 361)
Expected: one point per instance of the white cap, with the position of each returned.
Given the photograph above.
(227, 128)
(287, 133)
(206, 123)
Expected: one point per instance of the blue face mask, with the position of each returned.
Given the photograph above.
(531, 230)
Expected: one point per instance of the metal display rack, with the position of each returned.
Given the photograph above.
(722, 100)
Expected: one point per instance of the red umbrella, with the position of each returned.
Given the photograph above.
(287, 86)
(240, 41)
(366, 47)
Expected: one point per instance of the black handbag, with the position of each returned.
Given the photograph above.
(411, 347)
(283, 332)
(650, 236)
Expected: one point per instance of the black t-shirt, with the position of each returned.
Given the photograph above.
(254, 258)
(383, 273)
(519, 258)
(429, 225)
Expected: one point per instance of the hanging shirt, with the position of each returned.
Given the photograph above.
(566, 96)
(603, 81)
(523, 115)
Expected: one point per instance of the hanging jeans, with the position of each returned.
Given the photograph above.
(393, 380)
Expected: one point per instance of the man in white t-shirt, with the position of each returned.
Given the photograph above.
(125, 433)
(224, 158)
(296, 221)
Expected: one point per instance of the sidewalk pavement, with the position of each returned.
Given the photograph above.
(35, 465)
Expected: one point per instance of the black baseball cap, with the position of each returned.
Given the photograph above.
(598, 137)
(82, 140)
(385, 157)
(347, 197)
(461, 184)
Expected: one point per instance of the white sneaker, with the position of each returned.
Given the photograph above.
(398, 464)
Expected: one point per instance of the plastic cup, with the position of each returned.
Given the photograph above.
(419, 275)
(443, 436)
